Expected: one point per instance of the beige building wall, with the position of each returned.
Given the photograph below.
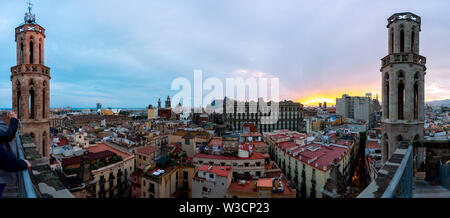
(126, 166)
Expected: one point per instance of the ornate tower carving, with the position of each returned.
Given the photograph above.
(31, 82)
(403, 79)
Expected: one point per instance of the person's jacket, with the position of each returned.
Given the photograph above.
(9, 164)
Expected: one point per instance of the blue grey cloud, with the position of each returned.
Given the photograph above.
(126, 53)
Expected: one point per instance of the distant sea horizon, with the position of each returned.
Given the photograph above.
(91, 108)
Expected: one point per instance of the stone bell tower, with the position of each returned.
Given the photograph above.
(31, 83)
(403, 80)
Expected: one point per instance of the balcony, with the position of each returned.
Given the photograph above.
(30, 68)
(39, 182)
(403, 58)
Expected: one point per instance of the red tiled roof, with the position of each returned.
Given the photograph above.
(264, 183)
(147, 150)
(287, 145)
(62, 142)
(257, 144)
(103, 147)
(324, 155)
(216, 141)
(223, 171)
(251, 134)
(373, 145)
(91, 157)
(254, 156)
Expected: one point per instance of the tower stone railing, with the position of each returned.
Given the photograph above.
(397, 58)
(30, 68)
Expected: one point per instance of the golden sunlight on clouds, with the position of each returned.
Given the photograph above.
(330, 97)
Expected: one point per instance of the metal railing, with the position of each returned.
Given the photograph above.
(24, 183)
(401, 184)
(395, 179)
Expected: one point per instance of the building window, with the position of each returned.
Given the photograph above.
(31, 52)
(402, 41)
(152, 188)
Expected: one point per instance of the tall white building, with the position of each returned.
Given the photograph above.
(357, 108)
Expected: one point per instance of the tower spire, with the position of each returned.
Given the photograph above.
(30, 18)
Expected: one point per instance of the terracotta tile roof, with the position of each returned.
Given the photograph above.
(216, 141)
(251, 134)
(373, 145)
(223, 171)
(103, 147)
(91, 157)
(264, 183)
(147, 150)
(254, 156)
(321, 155)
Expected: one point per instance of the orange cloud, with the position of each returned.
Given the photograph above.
(331, 95)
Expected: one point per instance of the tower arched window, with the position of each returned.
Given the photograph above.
(21, 52)
(386, 76)
(392, 41)
(31, 103)
(401, 96)
(19, 102)
(31, 52)
(412, 40)
(44, 86)
(44, 142)
(402, 41)
(40, 54)
(416, 95)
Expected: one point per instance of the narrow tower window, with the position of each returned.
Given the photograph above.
(392, 41)
(401, 100)
(31, 52)
(416, 100)
(31, 103)
(402, 41)
(19, 102)
(44, 150)
(40, 54)
(21, 53)
(43, 101)
(412, 41)
(387, 96)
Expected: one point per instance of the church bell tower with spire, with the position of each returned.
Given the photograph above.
(403, 80)
(31, 82)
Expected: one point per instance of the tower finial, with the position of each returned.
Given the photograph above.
(29, 17)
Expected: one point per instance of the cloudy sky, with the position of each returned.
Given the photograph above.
(127, 53)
